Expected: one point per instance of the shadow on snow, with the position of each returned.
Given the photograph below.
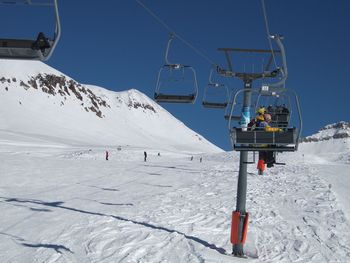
(25, 243)
(59, 204)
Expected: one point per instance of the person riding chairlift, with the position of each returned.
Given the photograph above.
(259, 118)
(265, 123)
(266, 157)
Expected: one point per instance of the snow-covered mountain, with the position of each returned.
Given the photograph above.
(39, 101)
(337, 130)
(331, 142)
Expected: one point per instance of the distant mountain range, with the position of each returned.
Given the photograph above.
(337, 130)
(39, 101)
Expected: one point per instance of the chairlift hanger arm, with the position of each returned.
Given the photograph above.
(284, 70)
(171, 37)
(57, 31)
(268, 64)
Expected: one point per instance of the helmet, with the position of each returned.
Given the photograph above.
(267, 117)
(261, 110)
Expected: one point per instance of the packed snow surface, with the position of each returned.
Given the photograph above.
(64, 203)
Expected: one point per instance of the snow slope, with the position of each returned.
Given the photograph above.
(63, 203)
(39, 101)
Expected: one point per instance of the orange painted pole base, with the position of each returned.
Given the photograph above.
(239, 236)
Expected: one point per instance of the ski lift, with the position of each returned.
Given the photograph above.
(245, 139)
(287, 139)
(40, 48)
(176, 83)
(215, 94)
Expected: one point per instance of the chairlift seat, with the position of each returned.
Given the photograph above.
(215, 105)
(160, 97)
(25, 49)
(261, 140)
(40, 48)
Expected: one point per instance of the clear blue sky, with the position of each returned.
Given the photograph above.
(118, 45)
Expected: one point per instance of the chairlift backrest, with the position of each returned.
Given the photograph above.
(39, 48)
(281, 109)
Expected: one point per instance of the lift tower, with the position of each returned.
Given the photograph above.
(240, 216)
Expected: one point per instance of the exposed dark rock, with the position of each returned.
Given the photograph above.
(32, 83)
(137, 105)
(24, 85)
(59, 85)
(76, 93)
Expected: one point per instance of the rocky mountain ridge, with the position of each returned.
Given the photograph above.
(39, 101)
(339, 130)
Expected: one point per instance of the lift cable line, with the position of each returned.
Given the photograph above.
(171, 31)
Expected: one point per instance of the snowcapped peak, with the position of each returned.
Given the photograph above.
(331, 131)
(138, 96)
(24, 68)
(342, 125)
(37, 99)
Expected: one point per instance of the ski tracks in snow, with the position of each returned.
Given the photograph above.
(296, 218)
(180, 211)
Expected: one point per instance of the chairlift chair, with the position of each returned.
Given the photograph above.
(40, 48)
(244, 139)
(184, 76)
(215, 94)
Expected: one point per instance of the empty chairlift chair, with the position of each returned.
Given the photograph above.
(176, 83)
(216, 95)
(39, 48)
